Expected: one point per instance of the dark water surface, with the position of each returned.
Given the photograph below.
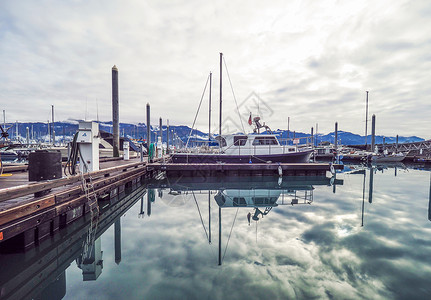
(366, 237)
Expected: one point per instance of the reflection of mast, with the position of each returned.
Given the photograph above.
(370, 190)
(363, 198)
(209, 216)
(142, 212)
(117, 237)
(219, 236)
(429, 202)
(149, 194)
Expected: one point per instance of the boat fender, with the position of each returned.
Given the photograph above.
(280, 170)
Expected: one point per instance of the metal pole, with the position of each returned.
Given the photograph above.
(312, 136)
(27, 136)
(53, 125)
(49, 133)
(115, 114)
(167, 137)
(288, 129)
(221, 82)
(209, 106)
(161, 130)
(4, 119)
(366, 123)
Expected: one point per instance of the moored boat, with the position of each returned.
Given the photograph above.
(248, 148)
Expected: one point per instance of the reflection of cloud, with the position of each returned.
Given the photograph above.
(310, 251)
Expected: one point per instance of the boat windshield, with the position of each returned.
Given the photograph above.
(239, 140)
(265, 140)
(222, 141)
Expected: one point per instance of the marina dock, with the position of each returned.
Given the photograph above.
(26, 218)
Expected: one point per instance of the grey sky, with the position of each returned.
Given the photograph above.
(310, 60)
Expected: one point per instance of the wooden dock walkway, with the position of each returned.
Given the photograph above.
(28, 218)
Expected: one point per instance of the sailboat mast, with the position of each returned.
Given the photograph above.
(221, 81)
(53, 127)
(366, 123)
(209, 105)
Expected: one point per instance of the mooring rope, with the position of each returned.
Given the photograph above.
(236, 103)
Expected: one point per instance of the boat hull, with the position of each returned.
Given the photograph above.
(294, 157)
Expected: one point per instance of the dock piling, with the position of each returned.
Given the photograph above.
(115, 113)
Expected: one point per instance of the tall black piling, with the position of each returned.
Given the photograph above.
(115, 114)
(373, 132)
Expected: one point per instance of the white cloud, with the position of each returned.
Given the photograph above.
(311, 60)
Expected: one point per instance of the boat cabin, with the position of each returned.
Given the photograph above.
(252, 144)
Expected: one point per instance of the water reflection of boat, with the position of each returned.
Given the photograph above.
(247, 198)
(391, 158)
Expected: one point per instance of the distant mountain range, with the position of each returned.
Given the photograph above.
(66, 129)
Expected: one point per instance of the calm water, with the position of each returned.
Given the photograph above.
(366, 237)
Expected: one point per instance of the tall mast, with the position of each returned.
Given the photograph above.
(221, 81)
(366, 123)
(209, 105)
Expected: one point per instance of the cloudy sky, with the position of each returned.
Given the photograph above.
(311, 61)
